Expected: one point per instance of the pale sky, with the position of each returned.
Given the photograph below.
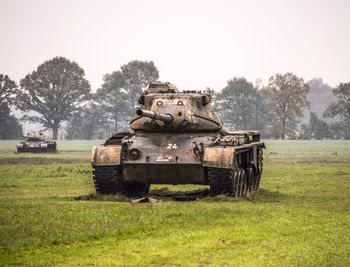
(194, 44)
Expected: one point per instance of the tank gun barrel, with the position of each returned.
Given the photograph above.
(166, 118)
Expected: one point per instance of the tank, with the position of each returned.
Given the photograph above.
(36, 143)
(177, 138)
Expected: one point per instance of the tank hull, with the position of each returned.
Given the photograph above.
(187, 158)
(166, 149)
(37, 147)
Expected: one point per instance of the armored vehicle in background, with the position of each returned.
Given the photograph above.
(36, 143)
(177, 139)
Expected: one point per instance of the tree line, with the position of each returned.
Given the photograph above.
(58, 96)
(277, 108)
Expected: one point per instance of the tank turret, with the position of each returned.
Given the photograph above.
(163, 108)
(34, 136)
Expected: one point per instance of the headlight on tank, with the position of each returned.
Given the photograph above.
(134, 153)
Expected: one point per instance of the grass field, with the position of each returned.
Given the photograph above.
(299, 217)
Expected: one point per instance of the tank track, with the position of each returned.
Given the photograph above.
(231, 182)
(259, 170)
(36, 150)
(107, 180)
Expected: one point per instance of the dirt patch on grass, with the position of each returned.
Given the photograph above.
(165, 194)
(99, 197)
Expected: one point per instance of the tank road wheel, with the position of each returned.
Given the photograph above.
(250, 174)
(257, 181)
(220, 181)
(244, 182)
(236, 184)
(239, 183)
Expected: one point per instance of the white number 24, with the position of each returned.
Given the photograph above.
(171, 146)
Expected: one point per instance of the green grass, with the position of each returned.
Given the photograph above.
(299, 217)
(308, 147)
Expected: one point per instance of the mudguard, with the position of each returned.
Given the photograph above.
(219, 157)
(106, 155)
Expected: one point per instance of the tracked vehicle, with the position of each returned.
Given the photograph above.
(36, 143)
(177, 139)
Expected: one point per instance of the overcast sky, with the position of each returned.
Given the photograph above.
(194, 44)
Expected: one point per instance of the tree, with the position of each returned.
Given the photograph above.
(113, 98)
(319, 96)
(261, 110)
(90, 122)
(340, 130)
(10, 128)
(240, 105)
(316, 129)
(54, 91)
(286, 99)
(7, 90)
(341, 109)
(120, 90)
